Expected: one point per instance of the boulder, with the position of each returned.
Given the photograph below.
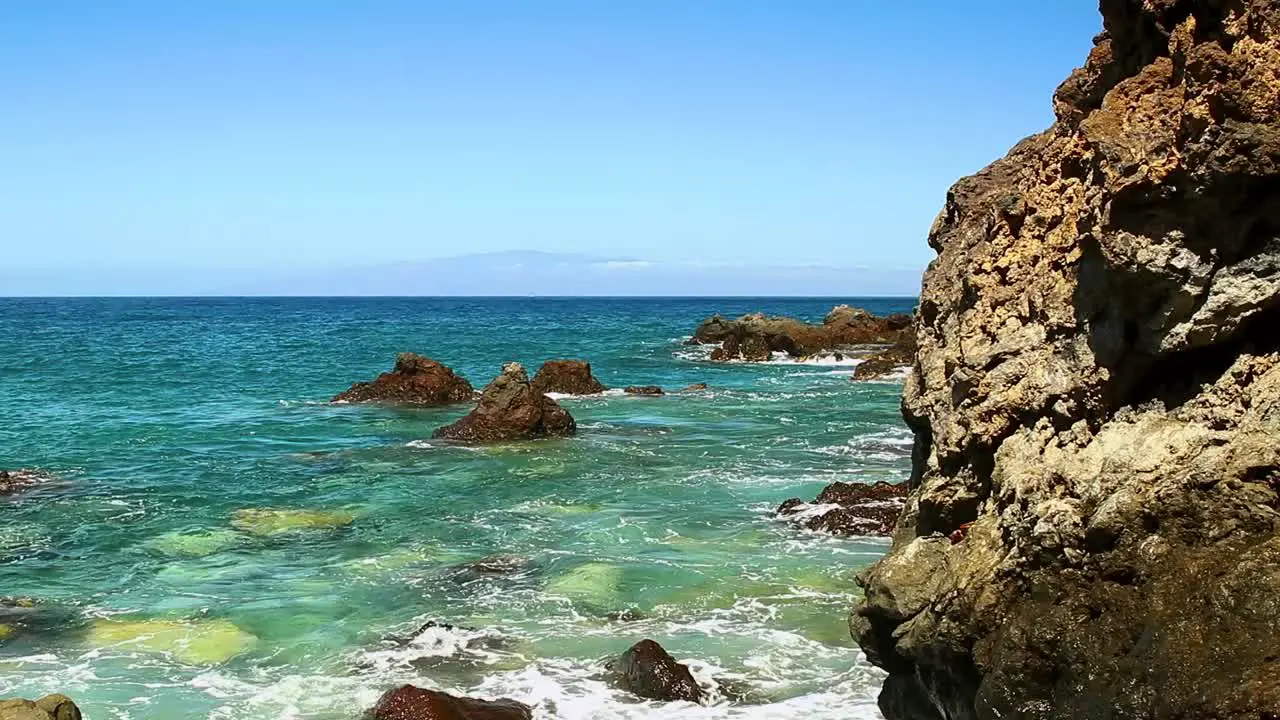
(567, 377)
(648, 670)
(1094, 524)
(756, 337)
(415, 381)
(12, 481)
(643, 390)
(409, 702)
(510, 409)
(50, 707)
(889, 360)
(850, 508)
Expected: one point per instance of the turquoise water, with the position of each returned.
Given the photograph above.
(165, 419)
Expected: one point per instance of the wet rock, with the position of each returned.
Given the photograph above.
(50, 707)
(408, 702)
(489, 566)
(510, 409)
(648, 670)
(850, 508)
(266, 522)
(200, 641)
(695, 387)
(567, 377)
(415, 381)
(755, 338)
(1092, 531)
(12, 481)
(643, 390)
(890, 360)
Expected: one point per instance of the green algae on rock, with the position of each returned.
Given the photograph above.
(593, 583)
(275, 521)
(194, 544)
(196, 642)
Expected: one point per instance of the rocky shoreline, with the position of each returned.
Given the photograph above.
(1094, 525)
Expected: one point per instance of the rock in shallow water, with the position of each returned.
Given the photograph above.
(50, 707)
(276, 521)
(643, 390)
(1096, 399)
(197, 642)
(415, 381)
(509, 409)
(408, 702)
(649, 671)
(567, 377)
(12, 481)
(850, 508)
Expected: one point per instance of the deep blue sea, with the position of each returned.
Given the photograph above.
(218, 541)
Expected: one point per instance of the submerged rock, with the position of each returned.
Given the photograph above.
(49, 707)
(408, 702)
(510, 409)
(196, 642)
(648, 670)
(1094, 526)
(756, 337)
(567, 377)
(416, 381)
(194, 544)
(850, 508)
(12, 481)
(643, 390)
(593, 583)
(274, 521)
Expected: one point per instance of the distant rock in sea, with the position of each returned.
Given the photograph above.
(510, 409)
(12, 481)
(754, 338)
(416, 381)
(1094, 524)
(566, 377)
(643, 390)
(850, 508)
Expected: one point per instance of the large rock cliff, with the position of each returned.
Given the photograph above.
(1093, 530)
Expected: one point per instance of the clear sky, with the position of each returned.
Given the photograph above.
(274, 136)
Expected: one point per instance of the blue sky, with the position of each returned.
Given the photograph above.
(274, 137)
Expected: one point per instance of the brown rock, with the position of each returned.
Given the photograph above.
(756, 337)
(863, 509)
(696, 387)
(1096, 399)
(408, 702)
(509, 409)
(12, 481)
(50, 707)
(643, 390)
(567, 377)
(647, 670)
(415, 381)
(889, 360)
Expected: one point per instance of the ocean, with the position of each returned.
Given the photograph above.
(169, 586)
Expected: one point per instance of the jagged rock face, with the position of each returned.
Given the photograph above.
(510, 409)
(568, 377)
(1093, 529)
(416, 380)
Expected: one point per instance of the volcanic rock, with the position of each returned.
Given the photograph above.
(50, 707)
(510, 409)
(850, 508)
(756, 337)
(889, 360)
(416, 381)
(649, 671)
(643, 390)
(1094, 525)
(408, 702)
(567, 377)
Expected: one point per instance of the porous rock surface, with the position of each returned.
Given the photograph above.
(1093, 527)
(415, 381)
(567, 377)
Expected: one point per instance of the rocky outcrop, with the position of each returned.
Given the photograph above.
(1093, 529)
(416, 380)
(643, 390)
(648, 670)
(901, 354)
(756, 337)
(567, 377)
(50, 707)
(409, 702)
(849, 508)
(510, 409)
